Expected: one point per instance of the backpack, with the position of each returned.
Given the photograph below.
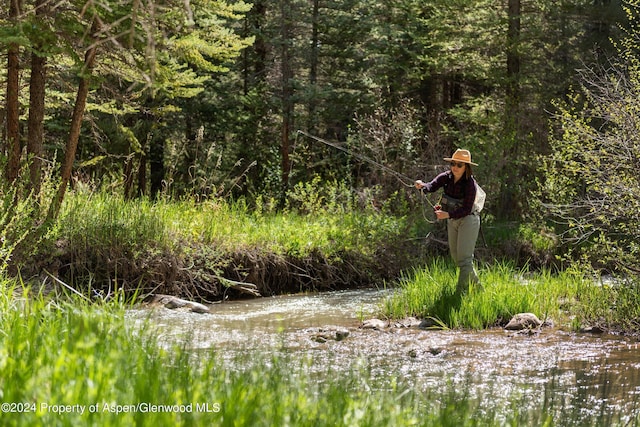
(449, 203)
(481, 196)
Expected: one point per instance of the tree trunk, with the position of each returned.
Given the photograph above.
(145, 134)
(313, 69)
(287, 93)
(36, 109)
(255, 75)
(508, 191)
(255, 60)
(13, 148)
(128, 177)
(156, 164)
(142, 172)
(513, 55)
(76, 124)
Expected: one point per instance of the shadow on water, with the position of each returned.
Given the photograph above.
(589, 375)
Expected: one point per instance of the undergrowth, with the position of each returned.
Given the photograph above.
(191, 248)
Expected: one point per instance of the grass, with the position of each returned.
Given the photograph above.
(68, 363)
(90, 219)
(571, 297)
(67, 354)
(611, 305)
(133, 229)
(187, 247)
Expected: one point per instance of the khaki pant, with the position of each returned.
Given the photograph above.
(463, 234)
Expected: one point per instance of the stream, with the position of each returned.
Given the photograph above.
(591, 372)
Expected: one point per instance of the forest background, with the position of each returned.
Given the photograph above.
(214, 100)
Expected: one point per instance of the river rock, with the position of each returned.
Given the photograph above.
(408, 322)
(171, 302)
(324, 335)
(430, 323)
(319, 338)
(523, 321)
(341, 334)
(375, 324)
(593, 329)
(433, 351)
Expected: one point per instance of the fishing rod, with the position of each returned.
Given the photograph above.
(405, 180)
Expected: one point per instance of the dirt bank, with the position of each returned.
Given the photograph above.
(209, 274)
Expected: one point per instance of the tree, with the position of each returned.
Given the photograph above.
(76, 120)
(164, 112)
(13, 147)
(592, 186)
(35, 123)
(175, 62)
(287, 88)
(159, 59)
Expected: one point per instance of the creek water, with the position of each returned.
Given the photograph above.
(589, 373)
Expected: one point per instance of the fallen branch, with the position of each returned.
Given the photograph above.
(245, 287)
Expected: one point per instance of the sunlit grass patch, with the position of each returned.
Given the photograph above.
(612, 304)
(504, 292)
(91, 219)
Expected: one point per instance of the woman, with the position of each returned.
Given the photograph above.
(463, 223)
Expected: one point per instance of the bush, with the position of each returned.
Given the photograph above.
(592, 185)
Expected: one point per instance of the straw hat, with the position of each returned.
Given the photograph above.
(463, 156)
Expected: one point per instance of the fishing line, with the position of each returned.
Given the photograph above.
(403, 179)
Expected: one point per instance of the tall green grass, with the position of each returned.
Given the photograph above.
(90, 219)
(505, 291)
(610, 304)
(74, 357)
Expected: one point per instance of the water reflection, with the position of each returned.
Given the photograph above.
(587, 373)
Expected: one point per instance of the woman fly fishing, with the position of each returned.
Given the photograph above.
(460, 207)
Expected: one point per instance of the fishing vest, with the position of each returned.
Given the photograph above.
(450, 204)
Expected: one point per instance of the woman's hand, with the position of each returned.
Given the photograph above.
(419, 184)
(440, 214)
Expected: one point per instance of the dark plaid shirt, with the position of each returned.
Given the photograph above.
(464, 189)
